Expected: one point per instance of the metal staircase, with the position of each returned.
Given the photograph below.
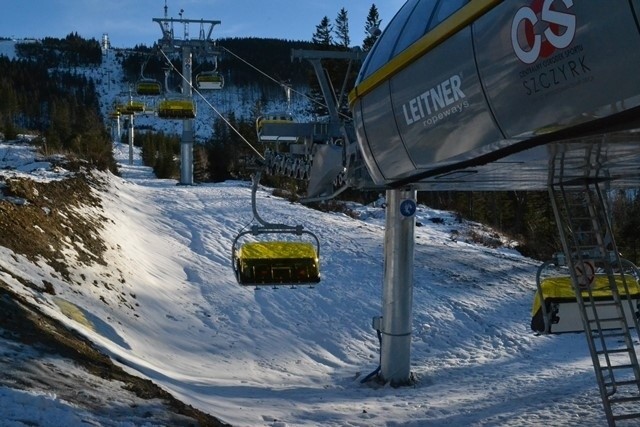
(589, 249)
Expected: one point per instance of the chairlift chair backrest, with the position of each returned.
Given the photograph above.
(555, 306)
(131, 107)
(276, 263)
(149, 87)
(210, 80)
(177, 107)
(274, 118)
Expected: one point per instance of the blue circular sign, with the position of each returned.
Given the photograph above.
(408, 207)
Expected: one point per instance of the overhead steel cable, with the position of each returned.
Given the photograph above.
(310, 99)
(194, 89)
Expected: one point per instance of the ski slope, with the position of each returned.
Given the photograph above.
(167, 307)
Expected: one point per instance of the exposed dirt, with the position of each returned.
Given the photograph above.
(41, 220)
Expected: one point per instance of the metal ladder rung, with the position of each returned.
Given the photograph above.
(629, 416)
(605, 303)
(610, 334)
(621, 383)
(613, 351)
(628, 366)
(625, 399)
(607, 319)
(586, 247)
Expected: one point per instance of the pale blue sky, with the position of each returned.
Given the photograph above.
(129, 22)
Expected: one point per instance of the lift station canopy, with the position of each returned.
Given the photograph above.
(497, 95)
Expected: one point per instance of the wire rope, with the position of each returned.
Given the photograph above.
(194, 89)
(310, 99)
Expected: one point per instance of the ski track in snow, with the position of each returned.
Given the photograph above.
(167, 307)
(297, 355)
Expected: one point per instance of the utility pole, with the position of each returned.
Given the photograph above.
(131, 139)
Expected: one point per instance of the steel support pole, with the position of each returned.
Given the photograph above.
(118, 134)
(186, 153)
(397, 294)
(186, 144)
(131, 139)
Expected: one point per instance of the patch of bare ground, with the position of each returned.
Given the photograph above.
(42, 220)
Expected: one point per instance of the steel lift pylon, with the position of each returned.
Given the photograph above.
(397, 293)
(187, 46)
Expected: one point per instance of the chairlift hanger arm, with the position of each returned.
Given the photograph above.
(266, 227)
(270, 226)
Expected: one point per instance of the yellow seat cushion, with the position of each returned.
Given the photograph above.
(560, 288)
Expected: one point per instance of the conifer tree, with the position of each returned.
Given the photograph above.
(371, 28)
(322, 36)
(342, 29)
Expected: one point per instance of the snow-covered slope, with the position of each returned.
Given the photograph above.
(166, 306)
(241, 101)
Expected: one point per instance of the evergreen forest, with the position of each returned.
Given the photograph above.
(40, 93)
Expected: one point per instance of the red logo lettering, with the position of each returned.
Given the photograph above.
(541, 28)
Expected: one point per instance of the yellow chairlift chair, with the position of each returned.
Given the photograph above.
(555, 308)
(275, 262)
(176, 108)
(209, 80)
(148, 87)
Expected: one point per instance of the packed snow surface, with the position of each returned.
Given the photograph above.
(167, 307)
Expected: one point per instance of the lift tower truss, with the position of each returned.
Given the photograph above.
(203, 46)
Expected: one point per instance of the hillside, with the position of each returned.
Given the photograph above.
(164, 305)
(249, 89)
(138, 268)
(44, 362)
